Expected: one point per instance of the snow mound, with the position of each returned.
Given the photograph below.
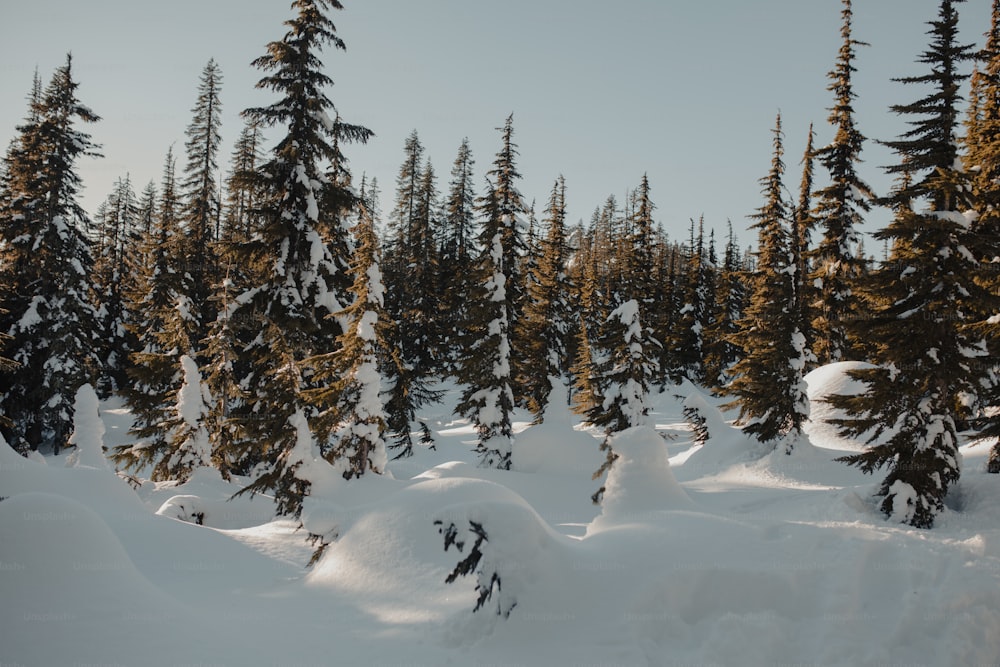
(554, 445)
(640, 483)
(64, 574)
(831, 380)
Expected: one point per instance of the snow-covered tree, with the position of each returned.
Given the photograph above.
(982, 161)
(457, 251)
(201, 203)
(485, 370)
(45, 268)
(837, 261)
(548, 321)
(297, 277)
(927, 352)
(351, 424)
(623, 369)
(768, 380)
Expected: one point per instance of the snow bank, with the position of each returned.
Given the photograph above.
(831, 380)
(555, 446)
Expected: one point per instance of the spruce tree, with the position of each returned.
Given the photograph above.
(983, 164)
(768, 379)
(803, 223)
(623, 367)
(548, 321)
(457, 251)
(115, 269)
(297, 278)
(45, 266)
(721, 350)
(840, 208)
(922, 303)
(693, 316)
(485, 370)
(160, 324)
(201, 200)
(351, 422)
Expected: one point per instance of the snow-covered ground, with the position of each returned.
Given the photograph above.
(726, 555)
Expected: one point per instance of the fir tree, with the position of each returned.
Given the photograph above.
(201, 200)
(297, 275)
(350, 432)
(114, 276)
(922, 302)
(485, 370)
(693, 317)
(457, 250)
(160, 325)
(45, 266)
(803, 223)
(623, 367)
(837, 262)
(547, 322)
(721, 350)
(983, 164)
(768, 379)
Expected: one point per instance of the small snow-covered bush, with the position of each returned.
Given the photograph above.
(487, 577)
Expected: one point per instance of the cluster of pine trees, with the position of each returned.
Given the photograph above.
(275, 327)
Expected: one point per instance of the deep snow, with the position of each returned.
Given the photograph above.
(722, 554)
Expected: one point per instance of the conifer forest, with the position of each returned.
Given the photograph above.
(250, 400)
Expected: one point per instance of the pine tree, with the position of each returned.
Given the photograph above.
(548, 321)
(768, 379)
(45, 265)
(803, 223)
(624, 368)
(693, 317)
(351, 423)
(721, 352)
(160, 324)
(297, 276)
(457, 251)
(840, 208)
(922, 299)
(114, 276)
(983, 164)
(485, 370)
(201, 200)
(242, 190)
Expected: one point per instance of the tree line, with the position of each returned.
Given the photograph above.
(276, 325)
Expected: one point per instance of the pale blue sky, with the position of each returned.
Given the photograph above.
(601, 92)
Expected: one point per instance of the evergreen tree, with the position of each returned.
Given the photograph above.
(45, 266)
(922, 302)
(767, 381)
(485, 370)
(547, 322)
(837, 262)
(457, 250)
(983, 164)
(351, 422)
(115, 250)
(721, 352)
(242, 189)
(693, 316)
(623, 367)
(803, 222)
(160, 324)
(296, 280)
(201, 200)
(412, 302)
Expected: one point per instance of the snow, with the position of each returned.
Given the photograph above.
(88, 431)
(721, 554)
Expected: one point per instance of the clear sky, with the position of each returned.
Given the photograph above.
(602, 92)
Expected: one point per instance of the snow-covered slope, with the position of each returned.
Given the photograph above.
(714, 554)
